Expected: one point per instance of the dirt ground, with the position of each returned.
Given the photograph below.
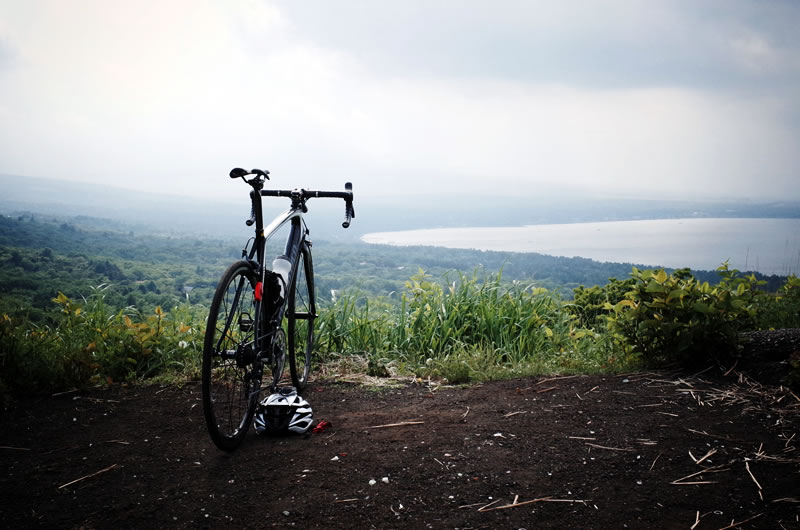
(647, 450)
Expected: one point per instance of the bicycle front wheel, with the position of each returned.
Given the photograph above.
(231, 367)
(301, 312)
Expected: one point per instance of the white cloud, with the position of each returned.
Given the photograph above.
(166, 95)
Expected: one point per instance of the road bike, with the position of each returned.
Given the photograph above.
(260, 316)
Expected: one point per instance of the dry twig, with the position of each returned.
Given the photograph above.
(715, 469)
(731, 368)
(483, 508)
(515, 503)
(747, 466)
(696, 520)
(704, 433)
(65, 392)
(556, 379)
(711, 452)
(610, 448)
(109, 468)
(399, 424)
(740, 523)
(656, 460)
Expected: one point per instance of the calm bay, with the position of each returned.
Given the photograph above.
(770, 246)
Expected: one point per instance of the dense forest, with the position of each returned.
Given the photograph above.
(40, 257)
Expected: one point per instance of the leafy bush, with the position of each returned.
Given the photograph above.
(89, 343)
(673, 317)
(781, 310)
(589, 303)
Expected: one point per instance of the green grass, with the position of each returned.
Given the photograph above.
(475, 328)
(462, 328)
(92, 343)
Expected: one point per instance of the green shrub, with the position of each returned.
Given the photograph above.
(89, 344)
(673, 317)
(589, 303)
(781, 310)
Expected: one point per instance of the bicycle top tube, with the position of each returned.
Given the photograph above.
(281, 220)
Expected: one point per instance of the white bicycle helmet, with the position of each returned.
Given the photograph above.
(283, 410)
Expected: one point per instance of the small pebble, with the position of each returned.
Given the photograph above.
(385, 480)
(372, 482)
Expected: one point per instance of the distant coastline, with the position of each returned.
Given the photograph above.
(766, 245)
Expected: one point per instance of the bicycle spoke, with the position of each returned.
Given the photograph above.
(231, 370)
(300, 321)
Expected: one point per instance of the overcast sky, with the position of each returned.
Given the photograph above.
(645, 98)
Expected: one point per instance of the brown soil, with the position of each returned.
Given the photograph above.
(568, 452)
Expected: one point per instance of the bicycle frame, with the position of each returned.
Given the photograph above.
(253, 319)
(293, 241)
(296, 238)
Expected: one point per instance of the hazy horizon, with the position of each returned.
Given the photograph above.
(152, 211)
(656, 100)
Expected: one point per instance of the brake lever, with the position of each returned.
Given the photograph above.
(252, 219)
(349, 213)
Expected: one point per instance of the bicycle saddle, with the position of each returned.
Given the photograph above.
(238, 172)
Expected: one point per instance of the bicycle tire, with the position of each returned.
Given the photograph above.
(231, 369)
(301, 312)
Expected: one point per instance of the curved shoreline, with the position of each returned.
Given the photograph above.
(770, 246)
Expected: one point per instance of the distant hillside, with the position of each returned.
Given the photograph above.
(40, 257)
(169, 214)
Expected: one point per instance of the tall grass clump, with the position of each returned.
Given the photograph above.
(89, 343)
(473, 326)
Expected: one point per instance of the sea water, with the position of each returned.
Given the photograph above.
(770, 246)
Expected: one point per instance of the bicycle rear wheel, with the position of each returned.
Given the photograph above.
(231, 368)
(301, 312)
